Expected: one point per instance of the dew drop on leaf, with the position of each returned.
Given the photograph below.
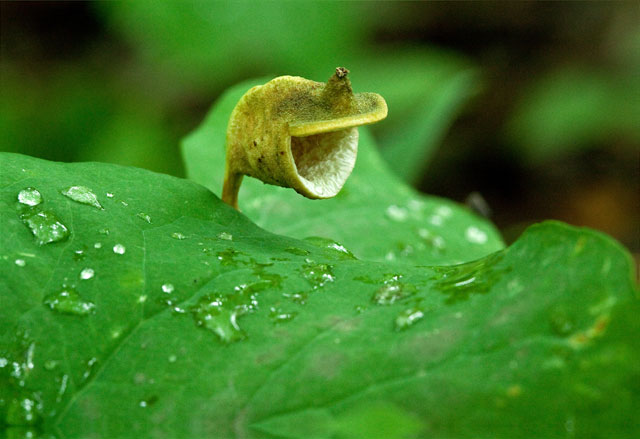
(20, 262)
(68, 301)
(87, 273)
(397, 213)
(279, 316)
(144, 217)
(82, 195)
(25, 409)
(97, 245)
(91, 363)
(168, 288)
(475, 235)
(51, 364)
(119, 249)
(392, 291)
(178, 235)
(226, 236)
(173, 358)
(330, 244)
(296, 251)
(317, 274)
(45, 226)
(29, 197)
(408, 317)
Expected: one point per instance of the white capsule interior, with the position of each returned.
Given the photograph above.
(325, 161)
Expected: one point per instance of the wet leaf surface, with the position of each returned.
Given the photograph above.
(201, 324)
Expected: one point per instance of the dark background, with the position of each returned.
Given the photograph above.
(547, 125)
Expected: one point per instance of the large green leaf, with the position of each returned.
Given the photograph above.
(376, 215)
(538, 340)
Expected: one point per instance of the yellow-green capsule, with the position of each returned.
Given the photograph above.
(297, 133)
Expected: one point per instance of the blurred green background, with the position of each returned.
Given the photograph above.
(530, 108)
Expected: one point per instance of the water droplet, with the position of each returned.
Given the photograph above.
(82, 195)
(226, 236)
(408, 318)
(45, 226)
(278, 316)
(87, 273)
(109, 195)
(20, 262)
(119, 249)
(68, 301)
(299, 298)
(104, 231)
(436, 220)
(340, 250)
(220, 313)
(3, 362)
(144, 217)
(124, 203)
(78, 255)
(444, 211)
(431, 238)
(392, 291)
(296, 251)
(475, 235)
(477, 277)
(148, 402)
(172, 358)
(168, 288)
(397, 213)
(51, 364)
(26, 409)
(317, 274)
(29, 197)
(142, 299)
(97, 245)
(90, 365)
(178, 235)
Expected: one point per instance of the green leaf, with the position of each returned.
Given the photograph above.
(184, 336)
(376, 216)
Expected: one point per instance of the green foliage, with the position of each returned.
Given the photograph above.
(166, 313)
(375, 215)
(571, 110)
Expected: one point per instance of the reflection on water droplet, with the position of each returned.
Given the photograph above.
(109, 195)
(475, 235)
(83, 195)
(119, 249)
(90, 366)
(45, 226)
(296, 251)
(29, 197)
(144, 217)
(148, 402)
(178, 235)
(278, 316)
(172, 358)
(477, 277)
(103, 231)
(317, 274)
(226, 236)
(87, 273)
(408, 318)
(97, 245)
(168, 288)
(68, 301)
(300, 297)
(444, 211)
(220, 313)
(20, 262)
(392, 291)
(397, 213)
(25, 409)
(340, 250)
